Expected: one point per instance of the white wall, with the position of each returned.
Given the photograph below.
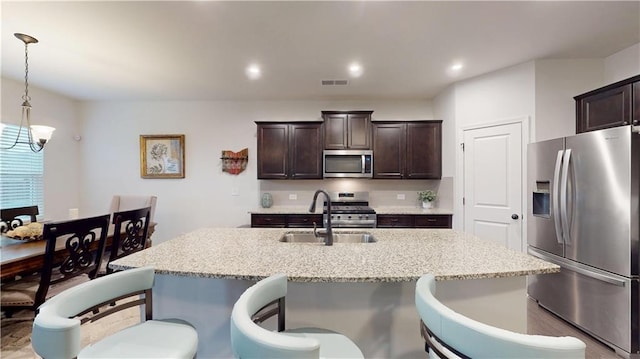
(502, 95)
(61, 154)
(622, 65)
(557, 81)
(110, 157)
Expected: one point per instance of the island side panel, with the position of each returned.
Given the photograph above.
(380, 316)
(206, 303)
(501, 302)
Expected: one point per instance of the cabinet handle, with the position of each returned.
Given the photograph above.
(394, 220)
(431, 220)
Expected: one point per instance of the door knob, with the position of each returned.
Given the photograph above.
(514, 216)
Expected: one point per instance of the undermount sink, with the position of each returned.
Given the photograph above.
(337, 238)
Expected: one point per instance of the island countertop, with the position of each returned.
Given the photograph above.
(399, 255)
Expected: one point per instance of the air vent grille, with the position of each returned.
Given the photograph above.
(335, 82)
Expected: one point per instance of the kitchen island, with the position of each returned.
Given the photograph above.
(364, 290)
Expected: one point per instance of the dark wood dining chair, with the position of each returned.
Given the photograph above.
(73, 254)
(11, 217)
(129, 235)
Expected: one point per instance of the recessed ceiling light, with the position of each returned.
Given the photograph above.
(455, 69)
(253, 72)
(355, 70)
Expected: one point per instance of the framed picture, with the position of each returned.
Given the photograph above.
(162, 156)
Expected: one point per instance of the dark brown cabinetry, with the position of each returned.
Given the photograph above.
(347, 130)
(290, 150)
(414, 221)
(614, 105)
(407, 150)
(285, 220)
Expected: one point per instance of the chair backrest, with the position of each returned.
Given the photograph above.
(10, 217)
(249, 340)
(82, 240)
(56, 331)
(124, 203)
(129, 234)
(452, 335)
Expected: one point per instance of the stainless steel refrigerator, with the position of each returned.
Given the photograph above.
(583, 215)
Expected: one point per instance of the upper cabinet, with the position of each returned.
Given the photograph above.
(407, 150)
(345, 130)
(290, 150)
(614, 105)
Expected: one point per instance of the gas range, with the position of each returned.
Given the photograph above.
(350, 210)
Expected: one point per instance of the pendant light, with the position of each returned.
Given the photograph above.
(37, 136)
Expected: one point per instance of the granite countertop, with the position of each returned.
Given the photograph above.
(398, 255)
(378, 209)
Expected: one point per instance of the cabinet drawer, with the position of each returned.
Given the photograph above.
(391, 221)
(304, 220)
(432, 221)
(268, 220)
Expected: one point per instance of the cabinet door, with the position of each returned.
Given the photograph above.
(424, 150)
(394, 221)
(347, 130)
(268, 220)
(636, 103)
(359, 131)
(432, 221)
(604, 109)
(273, 151)
(335, 131)
(389, 149)
(304, 220)
(305, 147)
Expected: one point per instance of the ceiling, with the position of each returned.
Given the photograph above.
(198, 50)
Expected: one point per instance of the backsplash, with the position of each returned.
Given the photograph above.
(381, 192)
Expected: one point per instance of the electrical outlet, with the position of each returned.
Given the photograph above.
(293, 196)
(400, 196)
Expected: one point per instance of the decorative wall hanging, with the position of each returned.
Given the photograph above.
(234, 162)
(162, 156)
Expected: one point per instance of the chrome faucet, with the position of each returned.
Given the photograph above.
(328, 235)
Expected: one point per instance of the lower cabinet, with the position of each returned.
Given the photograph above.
(384, 220)
(414, 221)
(285, 220)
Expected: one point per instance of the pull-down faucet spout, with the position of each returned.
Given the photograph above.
(328, 235)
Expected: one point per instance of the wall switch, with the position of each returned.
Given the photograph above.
(235, 191)
(293, 196)
(400, 196)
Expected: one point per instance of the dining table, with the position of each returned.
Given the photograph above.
(20, 257)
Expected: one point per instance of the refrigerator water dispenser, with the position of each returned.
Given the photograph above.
(541, 200)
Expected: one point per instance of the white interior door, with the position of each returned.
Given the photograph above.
(493, 183)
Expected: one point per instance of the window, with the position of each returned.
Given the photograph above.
(21, 172)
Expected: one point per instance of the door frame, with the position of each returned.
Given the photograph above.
(458, 207)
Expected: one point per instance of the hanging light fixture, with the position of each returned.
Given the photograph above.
(37, 135)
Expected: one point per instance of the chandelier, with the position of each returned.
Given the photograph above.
(37, 135)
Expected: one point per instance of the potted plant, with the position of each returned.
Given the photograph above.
(427, 198)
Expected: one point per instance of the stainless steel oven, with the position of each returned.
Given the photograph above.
(350, 210)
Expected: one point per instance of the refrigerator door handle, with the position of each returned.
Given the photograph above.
(577, 268)
(555, 198)
(564, 188)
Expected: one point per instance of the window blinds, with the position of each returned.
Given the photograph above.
(21, 172)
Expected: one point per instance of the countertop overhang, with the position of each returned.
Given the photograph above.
(399, 255)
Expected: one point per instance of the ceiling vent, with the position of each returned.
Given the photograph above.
(335, 82)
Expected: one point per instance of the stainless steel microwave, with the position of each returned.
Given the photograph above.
(348, 163)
